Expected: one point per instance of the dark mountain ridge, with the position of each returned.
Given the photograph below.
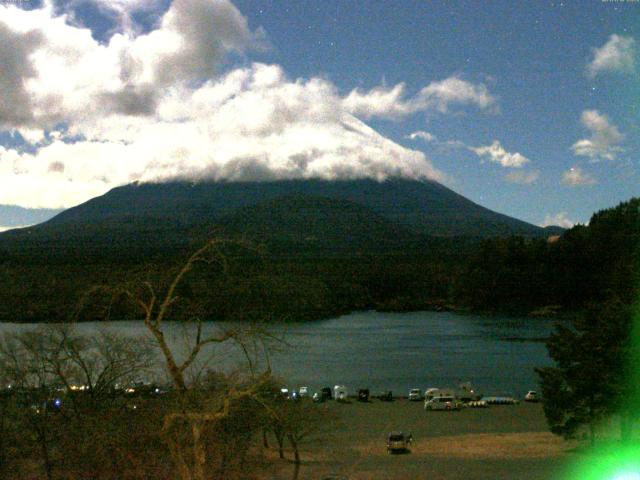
(426, 208)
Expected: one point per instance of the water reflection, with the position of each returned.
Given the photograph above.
(384, 351)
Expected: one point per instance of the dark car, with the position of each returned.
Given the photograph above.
(325, 393)
(363, 395)
(398, 442)
(386, 396)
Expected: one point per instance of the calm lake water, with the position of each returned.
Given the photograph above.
(395, 351)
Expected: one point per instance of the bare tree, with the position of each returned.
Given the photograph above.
(184, 429)
(297, 421)
(63, 384)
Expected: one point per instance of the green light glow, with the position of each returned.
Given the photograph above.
(613, 463)
(620, 460)
(627, 476)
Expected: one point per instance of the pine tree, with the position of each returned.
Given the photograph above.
(590, 379)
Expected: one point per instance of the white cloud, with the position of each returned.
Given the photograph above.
(576, 177)
(58, 71)
(422, 135)
(559, 219)
(251, 124)
(384, 102)
(522, 177)
(4, 228)
(441, 145)
(151, 107)
(454, 90)
(380, 102)
(497, 154)
(617, 55)
(605, 137)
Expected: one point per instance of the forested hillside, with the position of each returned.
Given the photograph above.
(293, 279)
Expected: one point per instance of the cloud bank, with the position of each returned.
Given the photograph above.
(560, 219)
(422, 135)
(617, 55)
(497, 154)
(438, 96)
(251, 124)
(155, 107)
(605, 139)
(575, 177)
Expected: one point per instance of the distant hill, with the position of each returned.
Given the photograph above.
(353, 214)
(12, 216)
(554, 230)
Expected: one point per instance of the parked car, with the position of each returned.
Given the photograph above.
(415, 395)
(531, 396)
(398, 442)
(442, 403)
(439, 392)
(429, 393)
(325, 393)
(303, 392)
(318, 398)
(363, 395)
(386, 396)
(340, 393)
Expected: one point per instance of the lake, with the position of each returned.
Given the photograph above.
(395, 351)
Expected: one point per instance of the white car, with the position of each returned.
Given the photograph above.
(303, 391)
(442, 403)
(415, 395)
(340, 393)
(531, 396)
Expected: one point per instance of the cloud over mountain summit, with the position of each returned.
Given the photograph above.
(157, 106)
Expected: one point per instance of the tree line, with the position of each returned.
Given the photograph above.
(73, 405)
(512, 274)
(597, 351)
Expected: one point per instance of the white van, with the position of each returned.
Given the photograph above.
(442, 403)
(415, 395)
(340, 393)
(431, 393)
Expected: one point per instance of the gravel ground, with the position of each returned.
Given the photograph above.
(499, 442)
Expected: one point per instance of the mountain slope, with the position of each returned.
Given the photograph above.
(290, 216)
(425, 207)
(319, 224)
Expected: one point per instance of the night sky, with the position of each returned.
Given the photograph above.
(528, 108)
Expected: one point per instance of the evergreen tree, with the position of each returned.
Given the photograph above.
(590, 379)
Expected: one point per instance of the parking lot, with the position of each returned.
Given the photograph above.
(498, 442)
